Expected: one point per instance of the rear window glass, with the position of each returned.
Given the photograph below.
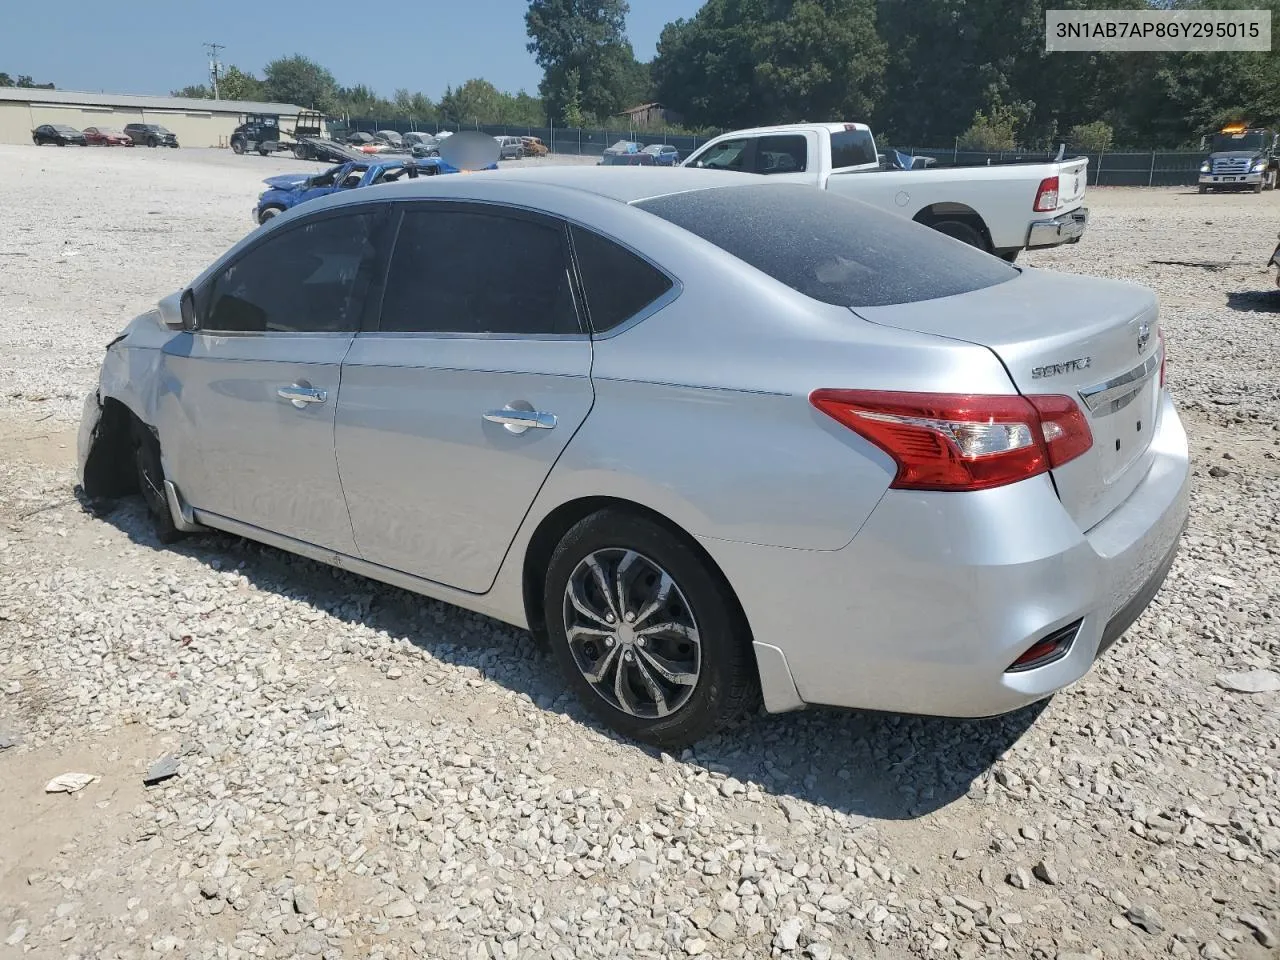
(617, 283)
(829, 247)
(852, 148)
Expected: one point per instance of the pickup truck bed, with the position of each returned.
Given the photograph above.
(1002, 208)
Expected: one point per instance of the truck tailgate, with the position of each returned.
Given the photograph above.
(1072, 179)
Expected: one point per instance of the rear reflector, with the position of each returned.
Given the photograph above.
(1046, 650)
(1047, 196)
(957, 442)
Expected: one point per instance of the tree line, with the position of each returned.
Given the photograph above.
(921, 72)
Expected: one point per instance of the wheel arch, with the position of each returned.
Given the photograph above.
(951, 210)
(552, 528)
(108, 467)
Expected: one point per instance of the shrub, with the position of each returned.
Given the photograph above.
(992, 131)
(1092, 137)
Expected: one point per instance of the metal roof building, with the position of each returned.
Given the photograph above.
(198, 123)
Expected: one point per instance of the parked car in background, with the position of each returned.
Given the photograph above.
(767, 438)
(1002, 208)
(533, 147)
(626, 153)
(59, 134)
(391, 137)
(107, 137)
(359, 138)
(415, 137)
(510, 148)
(664, 155)
(151, 135)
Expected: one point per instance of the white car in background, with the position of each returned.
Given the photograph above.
(1002, 208)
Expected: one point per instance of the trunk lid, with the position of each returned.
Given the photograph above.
(1073, 177)
(1092, 340)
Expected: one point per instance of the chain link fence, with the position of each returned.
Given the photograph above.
(1120, 168)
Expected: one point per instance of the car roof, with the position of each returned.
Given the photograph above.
(624, 184)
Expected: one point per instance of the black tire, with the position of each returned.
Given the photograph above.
(1204, 189)
(300, 152)
(237, 147)
(152, 142)
(961, 231)
(727, 684)
(150, 471)
(263, 151)
(268, 213)
(1257, 187)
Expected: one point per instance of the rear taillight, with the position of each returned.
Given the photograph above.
(943, 441)
(1047, 196)
(1164, 354)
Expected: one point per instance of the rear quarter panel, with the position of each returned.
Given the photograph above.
(1002, 195)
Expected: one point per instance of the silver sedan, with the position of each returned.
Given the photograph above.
(717, 440)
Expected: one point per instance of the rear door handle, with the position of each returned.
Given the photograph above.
(300, 395)
(518, 421)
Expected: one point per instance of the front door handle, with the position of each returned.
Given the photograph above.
(518, 421)
(300, 395)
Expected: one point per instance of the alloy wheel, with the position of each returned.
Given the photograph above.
(632, 633)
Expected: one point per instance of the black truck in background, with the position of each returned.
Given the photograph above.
(1242, 158)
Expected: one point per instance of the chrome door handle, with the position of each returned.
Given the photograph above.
(300, 396)
(518, 421)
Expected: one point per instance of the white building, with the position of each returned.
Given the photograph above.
(198, 123)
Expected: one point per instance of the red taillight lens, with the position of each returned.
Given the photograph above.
(1047, 196)
(1066, 432)
(946, 441)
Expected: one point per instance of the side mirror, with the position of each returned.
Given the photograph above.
(188, 305)
(171, 311)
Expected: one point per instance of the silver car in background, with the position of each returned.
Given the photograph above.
(715, 439)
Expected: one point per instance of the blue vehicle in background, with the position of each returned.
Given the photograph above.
(664, 155)
(286, 191)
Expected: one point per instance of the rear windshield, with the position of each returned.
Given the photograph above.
(852, 148)
(829, 247)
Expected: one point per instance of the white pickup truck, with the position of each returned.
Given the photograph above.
(1002, 208)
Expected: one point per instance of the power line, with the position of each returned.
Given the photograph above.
(214, 65)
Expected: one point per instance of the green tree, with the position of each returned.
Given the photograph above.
(1091, 137)
(996, 129)
(237, 84)
(582, 49)
(741, 62)
(301, 81)
(23, 81)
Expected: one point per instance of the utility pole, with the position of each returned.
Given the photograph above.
(214, 65)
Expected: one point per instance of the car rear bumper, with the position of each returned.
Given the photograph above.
(1064, 228)
(938, 594)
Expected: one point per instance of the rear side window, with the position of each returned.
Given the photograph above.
(787, 154)
(852, 148)
(467, 271)
(305, 279)
(618, 284)
(829, 247)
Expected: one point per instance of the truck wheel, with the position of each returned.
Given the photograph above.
(301, 152)
(960, 231)
(237, 146)
(1204, 190)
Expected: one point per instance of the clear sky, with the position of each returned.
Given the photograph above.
(153, 46)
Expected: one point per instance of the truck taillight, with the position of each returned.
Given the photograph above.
(956, 442)
(1047, 196)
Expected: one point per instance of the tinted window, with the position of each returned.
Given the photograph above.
(829, 247)
(461, 270)
(729, 155)
(618, 284)
(781, 154)
(852, 148)
(305, 279)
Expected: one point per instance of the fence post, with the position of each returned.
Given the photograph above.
(579, 141)
(955, 152)
(1098, 178)
(553, 135)
(1152, 175)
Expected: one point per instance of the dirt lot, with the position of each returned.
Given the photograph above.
(364, 773)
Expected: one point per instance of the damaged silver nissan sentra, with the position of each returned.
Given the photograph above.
(715, 438)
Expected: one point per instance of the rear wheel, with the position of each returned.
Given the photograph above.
(301, 152)
(237, 146)
(651, 639)
(1204, 189)
(146, 460)
(961, 231)
(267, 213)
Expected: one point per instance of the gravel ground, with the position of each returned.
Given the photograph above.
(365, 773)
